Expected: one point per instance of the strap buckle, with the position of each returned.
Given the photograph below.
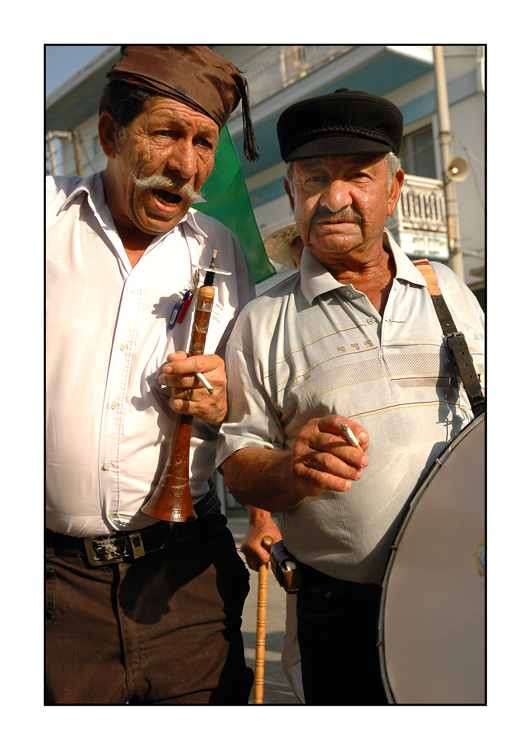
(137, 545)
(465, 364)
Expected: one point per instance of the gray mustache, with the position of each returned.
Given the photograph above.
(160, 181)
(349, 213)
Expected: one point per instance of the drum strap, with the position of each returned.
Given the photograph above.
(455, 340)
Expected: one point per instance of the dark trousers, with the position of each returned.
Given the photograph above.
(162, 629)
(337, 632)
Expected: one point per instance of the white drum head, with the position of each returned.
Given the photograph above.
(432, 613)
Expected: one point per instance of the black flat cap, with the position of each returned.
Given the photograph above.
(345, 122)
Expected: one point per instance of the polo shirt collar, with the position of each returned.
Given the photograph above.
(405, 270)
(317, 280)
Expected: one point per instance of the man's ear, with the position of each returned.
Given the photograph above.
(287, 188)
(107, 134)
(394, 194)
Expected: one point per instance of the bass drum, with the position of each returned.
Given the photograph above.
(431, 628)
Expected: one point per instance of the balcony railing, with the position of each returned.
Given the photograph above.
(419, 221)
(279, 66)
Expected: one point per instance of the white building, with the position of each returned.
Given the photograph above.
(279, 75)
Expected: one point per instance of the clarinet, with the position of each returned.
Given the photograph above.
(172, 500)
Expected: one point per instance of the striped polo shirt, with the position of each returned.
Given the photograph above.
(312, 346)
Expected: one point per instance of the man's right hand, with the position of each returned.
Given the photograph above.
(322, 460)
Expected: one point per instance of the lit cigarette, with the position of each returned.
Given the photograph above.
(201, 377)
(353, 440)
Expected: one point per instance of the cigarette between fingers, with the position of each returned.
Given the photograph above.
(353, 440)
(204, 381)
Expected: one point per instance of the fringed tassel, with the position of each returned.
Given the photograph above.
(250, 146)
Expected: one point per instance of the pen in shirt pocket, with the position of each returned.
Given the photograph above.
(179, 310)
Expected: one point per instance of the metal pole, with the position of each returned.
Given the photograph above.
(77, 152)
(51, 148)
(450, 193)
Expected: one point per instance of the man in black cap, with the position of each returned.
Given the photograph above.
(349, 347)
(140, 610)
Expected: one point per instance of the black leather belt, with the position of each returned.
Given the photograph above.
(312, 578)
(125, 546)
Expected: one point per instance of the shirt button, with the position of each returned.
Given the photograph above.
(107, 466)
(348, 295)
(123, 347)
(370, 321)
(112, 516)
(114, 405)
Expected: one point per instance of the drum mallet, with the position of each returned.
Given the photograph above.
(261, 628)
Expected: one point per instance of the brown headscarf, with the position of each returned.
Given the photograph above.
(194, 74)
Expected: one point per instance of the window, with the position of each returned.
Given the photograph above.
(417, 153)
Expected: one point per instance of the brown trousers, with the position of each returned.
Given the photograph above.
(165, 628)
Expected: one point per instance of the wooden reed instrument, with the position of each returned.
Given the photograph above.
(259, 664)
(172, 500)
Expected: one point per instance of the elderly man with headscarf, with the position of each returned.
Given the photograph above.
(141, 611)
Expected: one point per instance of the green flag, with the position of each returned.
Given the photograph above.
(227, 200)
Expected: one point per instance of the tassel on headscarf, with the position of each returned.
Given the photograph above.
(250, 147)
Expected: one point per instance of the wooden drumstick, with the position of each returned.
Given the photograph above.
(261, 628)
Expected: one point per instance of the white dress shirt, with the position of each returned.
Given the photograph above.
(109, 424)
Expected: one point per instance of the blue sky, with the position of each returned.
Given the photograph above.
(65, 60)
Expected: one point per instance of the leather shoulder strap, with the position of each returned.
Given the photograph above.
(455, 340)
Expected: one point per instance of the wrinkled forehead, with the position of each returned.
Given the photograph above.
(173, 110)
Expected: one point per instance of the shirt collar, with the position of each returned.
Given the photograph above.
(92, 187)
(317, 280)
(405, 270)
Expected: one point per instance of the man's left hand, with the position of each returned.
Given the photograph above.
(187, 394)
(261, 526)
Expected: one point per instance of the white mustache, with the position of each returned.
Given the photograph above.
(155, 181)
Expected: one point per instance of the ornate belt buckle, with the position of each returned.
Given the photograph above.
(103, 550)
